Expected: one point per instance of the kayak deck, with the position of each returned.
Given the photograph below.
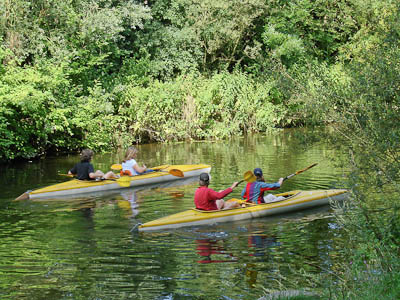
(294, 200)
(76, 186)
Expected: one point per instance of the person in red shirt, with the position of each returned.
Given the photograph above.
(208, 199)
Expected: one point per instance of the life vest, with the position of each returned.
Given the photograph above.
(126, 172)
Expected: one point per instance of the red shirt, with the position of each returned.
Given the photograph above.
(204, 197)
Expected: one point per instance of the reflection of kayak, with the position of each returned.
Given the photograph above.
(213, 261)
(75, 186)
(294, 200)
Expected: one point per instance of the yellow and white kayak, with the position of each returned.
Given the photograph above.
(75, 186)
(293, 201)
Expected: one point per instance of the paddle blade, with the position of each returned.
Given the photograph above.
(305, 169)
(176, 172)
(124, 181)
(300, 171)
(116, 167)
(249, 176)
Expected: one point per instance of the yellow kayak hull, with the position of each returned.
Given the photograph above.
(294, 201)
(75, 186)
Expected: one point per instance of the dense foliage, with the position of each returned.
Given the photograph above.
(109, 73)
(360, 101)
(103, 74)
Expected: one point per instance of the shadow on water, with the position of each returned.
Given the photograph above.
(82, 247)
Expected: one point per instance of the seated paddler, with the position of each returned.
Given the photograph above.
(254, 191)
(84, 170)
(130, 166)
(208, 199)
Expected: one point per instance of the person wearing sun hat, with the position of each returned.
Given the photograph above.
(254, 191)
(208, 199)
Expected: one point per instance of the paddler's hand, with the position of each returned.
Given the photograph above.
(280, 181)
(235, 184)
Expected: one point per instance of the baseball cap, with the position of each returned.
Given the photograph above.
(204, 177)
(258, 172)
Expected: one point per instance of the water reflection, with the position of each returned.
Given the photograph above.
(82, 248)
(127, 198)
(260, 243)
(214, 250)
(207, 247)
(129, 204)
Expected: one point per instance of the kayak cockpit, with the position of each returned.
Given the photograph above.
(243, 203)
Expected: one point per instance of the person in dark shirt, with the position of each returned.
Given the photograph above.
(84, 169)
(208, 199)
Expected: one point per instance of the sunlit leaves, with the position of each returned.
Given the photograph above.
(361, 102)
(196, 107)
(106, 23)
(285, 47)
(208, 34)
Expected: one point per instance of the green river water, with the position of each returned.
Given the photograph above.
(83, 247)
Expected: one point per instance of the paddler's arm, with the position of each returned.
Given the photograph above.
(219, 195)
(93, 174)
(271, 186)
(138, 169)
(97, 174)
(73, 171)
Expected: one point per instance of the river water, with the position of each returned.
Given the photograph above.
(83, 247)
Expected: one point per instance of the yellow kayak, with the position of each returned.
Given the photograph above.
(292, 201)
(162, 174)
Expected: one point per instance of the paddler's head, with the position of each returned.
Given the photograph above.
(131, 153)
(86, 155)
(259, 174)
(204, 179)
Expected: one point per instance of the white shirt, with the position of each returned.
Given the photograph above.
(128, 166)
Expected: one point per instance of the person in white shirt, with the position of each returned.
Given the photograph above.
(130, 166)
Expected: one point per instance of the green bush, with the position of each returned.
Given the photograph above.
(40, 113)
(30, 112)
(360, 102)
(196, 107)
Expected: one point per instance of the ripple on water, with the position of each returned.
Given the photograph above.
(82, 247)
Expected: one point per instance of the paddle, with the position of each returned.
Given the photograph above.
(174, 172)
(250, 177)
(240, 181)
(300, 171)
(68, 175)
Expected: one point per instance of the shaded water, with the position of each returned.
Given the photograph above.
(83, 248)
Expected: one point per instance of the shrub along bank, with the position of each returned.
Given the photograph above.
(361, 102)
(43, 113)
